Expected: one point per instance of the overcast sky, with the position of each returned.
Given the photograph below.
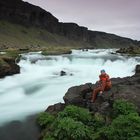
(121, 17)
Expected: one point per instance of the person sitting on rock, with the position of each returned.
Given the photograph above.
(104, 84)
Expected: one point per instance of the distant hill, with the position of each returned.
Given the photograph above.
(23, 24)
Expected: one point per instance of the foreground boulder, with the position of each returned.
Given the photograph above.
(76, 95)
(8, 67)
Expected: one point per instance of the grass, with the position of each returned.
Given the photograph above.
(17, 36)
(11, 53)
(16, 39)
(56, 50)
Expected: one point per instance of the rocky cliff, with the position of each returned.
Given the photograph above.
(23, 13)
(20, 12)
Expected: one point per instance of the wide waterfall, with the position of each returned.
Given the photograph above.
(39, 84)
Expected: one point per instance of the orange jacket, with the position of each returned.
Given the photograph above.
(105, 81)
(104, 77)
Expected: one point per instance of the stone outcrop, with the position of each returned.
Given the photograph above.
(8, 67)
(23, 13)
(127, 88)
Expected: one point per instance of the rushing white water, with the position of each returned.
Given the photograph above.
(40, 83)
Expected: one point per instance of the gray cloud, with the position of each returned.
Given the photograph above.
(120, 17)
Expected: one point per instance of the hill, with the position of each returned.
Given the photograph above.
(25, 25)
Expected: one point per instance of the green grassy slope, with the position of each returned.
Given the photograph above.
(18, 36)
(14, 35)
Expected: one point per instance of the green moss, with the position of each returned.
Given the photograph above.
(56, 50)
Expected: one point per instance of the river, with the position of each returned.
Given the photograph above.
(39, 84)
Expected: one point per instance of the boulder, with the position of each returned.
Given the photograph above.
(54, 109)
(63, 73)
(8, 67)
(76, 95)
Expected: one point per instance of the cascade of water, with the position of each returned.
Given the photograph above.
(40, 83)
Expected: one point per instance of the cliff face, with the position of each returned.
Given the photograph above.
(20, 12)
(23, 13)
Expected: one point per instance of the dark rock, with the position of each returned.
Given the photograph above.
(76, 95)
(20, 12)
(71, 74)
(137, 70)
(105, 109)
(8, 67)
(63, 73)
(54, 109)
(20, 130)
(73, 31)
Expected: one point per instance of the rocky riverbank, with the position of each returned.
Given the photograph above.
(8, 66)
(127, 88)
(130, 50)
